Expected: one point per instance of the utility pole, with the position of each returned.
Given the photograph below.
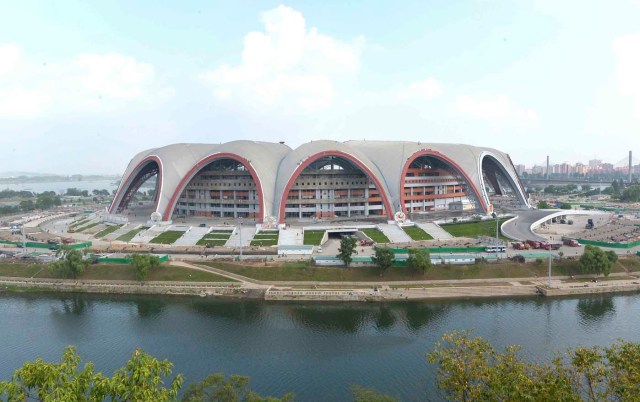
(549, 268)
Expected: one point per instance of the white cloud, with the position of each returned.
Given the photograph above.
(496, 108)
(421, 90)
(84, 83)
(287, 66)
(9, 58)
(627, 53)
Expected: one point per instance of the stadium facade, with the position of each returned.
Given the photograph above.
(328, 180)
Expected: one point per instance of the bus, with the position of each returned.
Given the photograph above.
(495, 249)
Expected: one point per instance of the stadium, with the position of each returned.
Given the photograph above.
(320, 180)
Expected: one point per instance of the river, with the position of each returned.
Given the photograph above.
(60, 187)
(315, 350)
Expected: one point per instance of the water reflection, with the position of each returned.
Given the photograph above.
(385, 318)
(418, 314)
(239, 310)
(150, 308)
(342, 318)
(594, 310)
(74, 304)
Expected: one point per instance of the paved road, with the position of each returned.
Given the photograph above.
(520, 228)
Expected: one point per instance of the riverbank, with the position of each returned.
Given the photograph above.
(248, 288)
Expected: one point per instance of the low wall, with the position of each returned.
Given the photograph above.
(321, 295)
(124, 287)
(590, 288)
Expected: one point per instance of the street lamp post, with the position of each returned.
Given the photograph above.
(549, 268)
(240, 239)
(497, 244)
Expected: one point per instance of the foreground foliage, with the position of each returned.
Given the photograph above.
(470, 369)
(142, 379)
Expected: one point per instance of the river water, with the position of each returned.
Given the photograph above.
(315, 350)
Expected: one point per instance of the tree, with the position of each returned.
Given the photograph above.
(27, 205)
(631, 194)
(383, 258)
(143, 263)
(615, 186)
(595, 261)
(52, 381)
(140, 380)
(419, 260)
(470, 369)
(347, 248)
(565, 205)
(215, 388)
(612, 256)
(542, 204)
(586, 187)
(71, 264)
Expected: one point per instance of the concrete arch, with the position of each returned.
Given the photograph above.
(133, 182)
(506, 172)
(360, 164)
(201, 164)
(444, 158)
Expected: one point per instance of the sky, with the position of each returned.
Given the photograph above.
(84, 86)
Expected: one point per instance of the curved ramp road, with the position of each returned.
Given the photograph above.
(519, 228)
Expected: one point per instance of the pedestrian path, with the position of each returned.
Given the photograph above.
(394, 233)
(435, 231)
(291, 237)
(147, 236)
(125, 229)
(191, 236)
(247, 236)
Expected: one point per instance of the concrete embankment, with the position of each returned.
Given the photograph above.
(570, 289)
(130, 287)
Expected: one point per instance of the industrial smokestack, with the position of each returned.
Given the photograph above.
(630, 164)
(547, 167)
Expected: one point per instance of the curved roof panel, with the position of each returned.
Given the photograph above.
(275, 165)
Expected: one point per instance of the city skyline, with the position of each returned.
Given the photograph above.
(87, 84)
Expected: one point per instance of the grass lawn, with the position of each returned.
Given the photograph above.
(89, 226)
(168, 237)
(131, 234)
(78, 223)
(376, 235)
(416, 233)
(218, 238)
(313, 237)
(107, 230)
(474, 229)
(265, 239)
(164, 272)
(304, 271)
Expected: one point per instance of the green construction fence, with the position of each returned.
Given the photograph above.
(610, 245)
(439, 250)
(125, 260)
(30, 244)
